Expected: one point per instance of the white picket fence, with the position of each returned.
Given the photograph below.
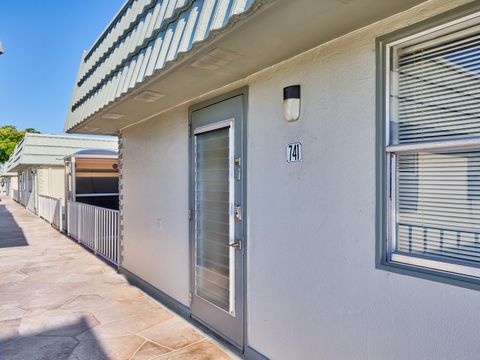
(50, 209)
(95, 227)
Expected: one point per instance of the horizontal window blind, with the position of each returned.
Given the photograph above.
(212, 227)
(438, 205)
(437, 91)
(434, 107)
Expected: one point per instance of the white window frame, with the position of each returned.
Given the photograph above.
(392, 151)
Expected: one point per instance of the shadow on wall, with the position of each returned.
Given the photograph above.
(49, 343)
(11, 234)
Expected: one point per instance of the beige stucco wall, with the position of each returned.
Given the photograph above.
(51, 181)
(12, 185)
(313, 290)
(155, 203)
(47, 180)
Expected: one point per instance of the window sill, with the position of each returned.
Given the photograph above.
(436, 265)
(432, 274)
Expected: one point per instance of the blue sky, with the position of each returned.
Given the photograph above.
(43, 43)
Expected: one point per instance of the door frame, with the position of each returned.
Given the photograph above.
(218, 99)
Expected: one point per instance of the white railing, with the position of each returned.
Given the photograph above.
(50, 209)
(15, 195)
(95, 227)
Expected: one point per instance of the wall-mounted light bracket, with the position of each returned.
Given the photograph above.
(291, 103)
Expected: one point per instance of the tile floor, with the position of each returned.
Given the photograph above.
(59, 301)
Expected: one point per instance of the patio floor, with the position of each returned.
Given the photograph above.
(59, 301)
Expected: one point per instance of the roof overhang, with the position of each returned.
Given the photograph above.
(93, 154)
(100, 157)
(29, 164)
(275, 32)
(45, 150)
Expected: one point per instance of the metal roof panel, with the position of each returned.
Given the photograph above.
(143, 38)
(46, 149)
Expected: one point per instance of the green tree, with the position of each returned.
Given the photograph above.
(9, 138)
(32, 130)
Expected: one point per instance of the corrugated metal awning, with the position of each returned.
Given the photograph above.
(157, 54)
(144, 37)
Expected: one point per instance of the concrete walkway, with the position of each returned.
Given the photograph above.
(58, 301)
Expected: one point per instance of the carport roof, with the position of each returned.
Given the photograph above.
(44, 149)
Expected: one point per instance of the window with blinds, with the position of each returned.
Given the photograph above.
(433, 150)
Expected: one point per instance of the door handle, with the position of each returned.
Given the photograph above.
(237, 245)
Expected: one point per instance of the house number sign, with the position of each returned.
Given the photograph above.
(294, 152)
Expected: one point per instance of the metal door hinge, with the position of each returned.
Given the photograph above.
(190, 213)
(190, 297)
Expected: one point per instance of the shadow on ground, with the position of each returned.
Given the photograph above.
(11, 235)
(57, 343)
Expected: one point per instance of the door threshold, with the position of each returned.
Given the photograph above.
(203, 327)
(218, 335)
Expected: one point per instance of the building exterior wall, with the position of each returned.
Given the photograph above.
(51, 181)
(12, 185)
(28, 187)
(155, 203)
(4, 185)
(313, 289)
(44, 180)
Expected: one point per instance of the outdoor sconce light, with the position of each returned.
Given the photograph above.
(291, 102)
